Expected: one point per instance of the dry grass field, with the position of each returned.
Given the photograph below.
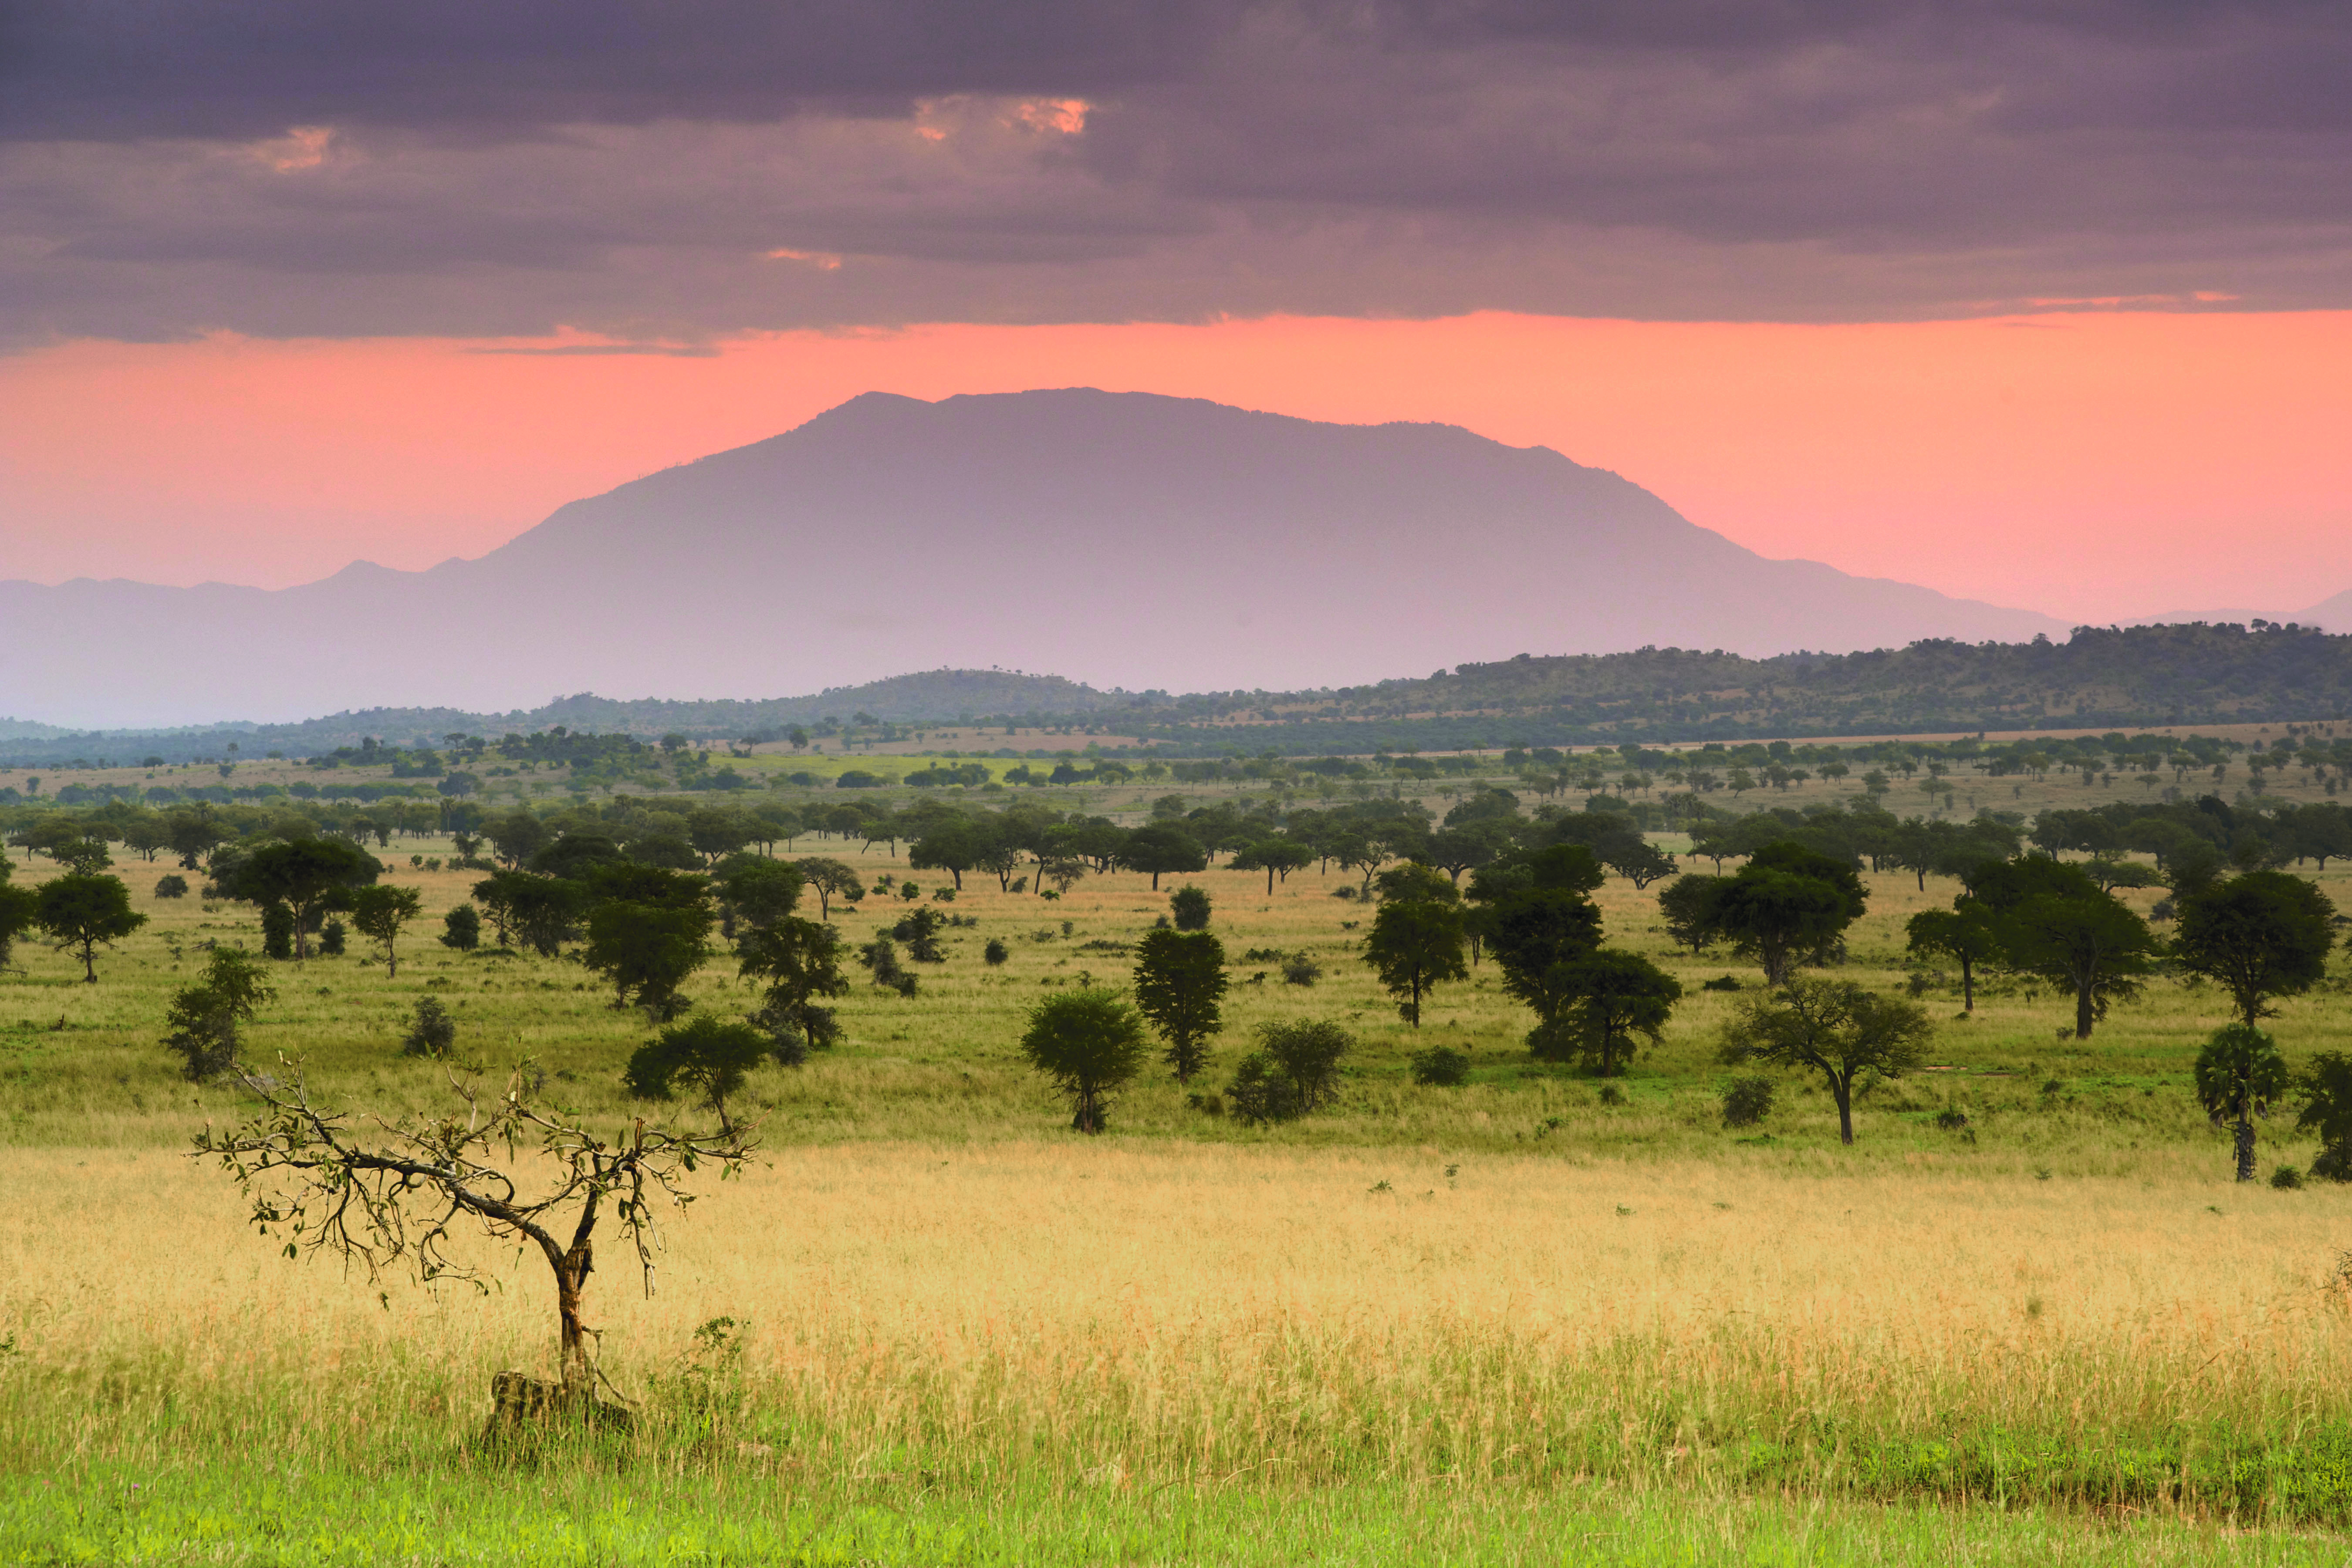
(1508, 1322)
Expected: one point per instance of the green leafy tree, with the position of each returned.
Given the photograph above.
(304, 875)
(1276, 857)
(1611, 997)
(709, 1057)
(1789, 903)
(831, 879)
(1091, 1045)
(800, 965)
(1180, 980)
(2085, 940)
(1535, 916)
(1416, 945)
(83, 913)
(1834, 1027)
(1188, 907)
(2326, 1086)
(204, 1016)
(756, 892)
(1689, 905)
(1161, 850)
(1295, 1070)
(952, 847)
(648, 931)
(381, 912)
(1414, 880)
(462, 928)
(2240, 1075)
(2261, 935)
(20, 911)
(1965, 934)
(277, 933)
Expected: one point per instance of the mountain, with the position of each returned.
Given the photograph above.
(1137, 541)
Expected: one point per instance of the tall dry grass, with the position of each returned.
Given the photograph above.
(1129, 1315)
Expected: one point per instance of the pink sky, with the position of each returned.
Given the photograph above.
(2094, 466)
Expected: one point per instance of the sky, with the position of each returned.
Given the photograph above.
(2031, 300)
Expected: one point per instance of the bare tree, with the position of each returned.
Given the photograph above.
(388, 1193)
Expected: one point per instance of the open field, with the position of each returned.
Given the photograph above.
(1504, 1322)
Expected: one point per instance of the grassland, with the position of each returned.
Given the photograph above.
(1504, 1322)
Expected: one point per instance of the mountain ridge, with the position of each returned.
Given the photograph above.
(1151, 542)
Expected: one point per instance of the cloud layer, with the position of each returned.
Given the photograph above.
(674, 171)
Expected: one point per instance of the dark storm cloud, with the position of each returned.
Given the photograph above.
(676, 170)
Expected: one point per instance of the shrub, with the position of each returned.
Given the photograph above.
(1951, 1118)
(881, 960)
(1344, 890)
(204, 1016)
(173, 886)
(1721, 983)
(1090, 1044)
(462, 928)
(1441, 1067)
(1611, 1095)
(1295, 1069)
(433, 1033)
(2286, 1178)
(1298, 969)
(1189, 906)
(331, 939)
(919, 929)
(1746, 1101)
(276, 931)
(704, 1054)
(995, 953)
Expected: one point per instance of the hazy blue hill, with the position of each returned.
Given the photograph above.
(1127, 538)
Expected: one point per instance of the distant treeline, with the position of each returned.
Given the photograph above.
(2101, 678)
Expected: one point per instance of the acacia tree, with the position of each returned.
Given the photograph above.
(389, 1193)
(1415, 945)
(20, 911)
(799, 962)
(831, 879)
(710, 1056)
(1833, 1026)
(1179, 978)
(1090, 1044)
(2089, 943)
(2240, 1075)
(82, 913)
(1965, 934)
(1161, 850)
(2261, 935)
(1785, 903)
(1276, 857)
(304, 875)
(1611, 997)
(380, 912)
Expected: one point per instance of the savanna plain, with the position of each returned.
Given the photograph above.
(1533, 1317)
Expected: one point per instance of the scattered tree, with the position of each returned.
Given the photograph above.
(2240, 1075)
(381, 912)
(799, 961)
(20, 911)
(1180, 979)
(204, 1017)
(462, 928)
(1965, 934)
(171, 885)
(756, 892)
(2327, 1089)
(386, 1192)
(1415, 944)
(2261, 935)
(709, 1056)
(304, 875)
(1276, 857)
(1161, 850)
(1610, 996)
(82, 913)
(1833, 1026)
(1090, 1044)
(831, 879)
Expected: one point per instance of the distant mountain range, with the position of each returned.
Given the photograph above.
(1145, 542)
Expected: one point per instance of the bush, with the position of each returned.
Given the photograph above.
(1295, 1069)
(462, 928)
(1721, 983)
(433, 1033)
(1441, 1067)
(1951, 1118)
(1298, 969)
(995, 953)
(1746, 1101)
(702, 1054)
(1090, 1044)
(1611, 1095)
(1189, 906)
(919, 929)
(276, 931)
(2332, 1164)
(204, 1016)
(173, 886)
(1345, 890)
(881, 960)
(331, 939)
(2286, 1178)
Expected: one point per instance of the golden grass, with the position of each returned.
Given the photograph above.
(1096, 1311)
